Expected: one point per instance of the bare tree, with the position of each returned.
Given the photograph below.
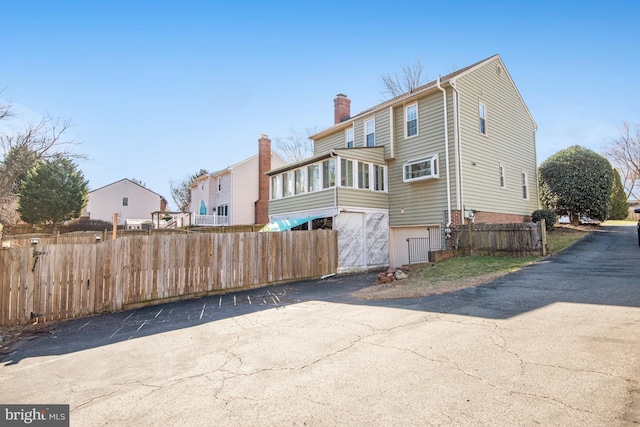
(181, 191)
(139, 182)
(22, 149)
(297, 145)
(409, 79)
(624, 153)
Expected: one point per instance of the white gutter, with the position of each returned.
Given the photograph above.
(446, 148)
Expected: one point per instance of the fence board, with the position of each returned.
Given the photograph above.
(73, 280)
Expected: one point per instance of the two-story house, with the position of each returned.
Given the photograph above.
(459, 148)
(238, 194)
(132, 203)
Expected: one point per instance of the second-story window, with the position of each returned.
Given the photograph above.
(411, 113)
(482, 113)
(370, 133)
(219, 183)
(419, 169)
(329, 173)
(125, 201)
(348, 136)
(503, 180)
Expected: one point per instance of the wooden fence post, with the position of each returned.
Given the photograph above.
(543, 234)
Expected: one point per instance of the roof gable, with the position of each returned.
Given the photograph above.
(123, 180)
(419, 91)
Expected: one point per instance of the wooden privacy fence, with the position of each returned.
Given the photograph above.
(502, 239)
(56, 282)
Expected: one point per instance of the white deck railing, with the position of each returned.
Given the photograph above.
(208, 220)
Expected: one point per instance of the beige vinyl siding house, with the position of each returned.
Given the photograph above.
(130, 201)
(229, 196)
(460, 148)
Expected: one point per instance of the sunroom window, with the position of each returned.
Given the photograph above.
(328, 173)
(419, 169)
(346, 173)
(276, 187)
(287, 184)
(364, 170)
(314, 177)
(378, 178)
(301, 180)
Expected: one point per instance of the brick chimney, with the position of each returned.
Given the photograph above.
(264, 165)
(341, 108)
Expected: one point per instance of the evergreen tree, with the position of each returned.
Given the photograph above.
(618, 206)
(576, 181)
(53, 191)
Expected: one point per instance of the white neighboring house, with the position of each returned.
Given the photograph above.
(237, 195)
(132, 202)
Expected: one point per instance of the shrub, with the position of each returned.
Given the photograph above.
(85, 224)
(548, 215)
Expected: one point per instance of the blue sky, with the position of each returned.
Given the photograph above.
(157, 90)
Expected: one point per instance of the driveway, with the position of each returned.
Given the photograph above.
(557, 343)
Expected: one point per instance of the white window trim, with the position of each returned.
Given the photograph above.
(406, 121)
(372, 120)
(486, 121)
(433, 159)
(503, 176)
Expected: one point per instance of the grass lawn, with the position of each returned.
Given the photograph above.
(462, 272)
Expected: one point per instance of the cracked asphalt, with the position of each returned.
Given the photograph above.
(557, 343)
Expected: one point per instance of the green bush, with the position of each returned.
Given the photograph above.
(548, 215)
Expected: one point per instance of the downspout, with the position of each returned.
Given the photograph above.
(459, 176)
(392, 149)
(446, 149)
(336, 172)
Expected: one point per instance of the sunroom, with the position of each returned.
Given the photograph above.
(344, 190)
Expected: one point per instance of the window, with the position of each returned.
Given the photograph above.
(419, 169)
(314, 177)
(349, 137)
(287, 184)
(482, 112)
(364, 170)
(202, 186)
(328, 173)
(411, 119)
(125, 201)
(276, 187)
(346, 173)
(301, 180)
(223, 210)
(378, 178)
(219, 184)
(503, 182)
(370, 133)
(525, 186)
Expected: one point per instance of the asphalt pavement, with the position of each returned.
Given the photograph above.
(557, 343)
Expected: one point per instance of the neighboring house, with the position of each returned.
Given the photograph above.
(133, 203)
(237, 195)
(415, 167)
